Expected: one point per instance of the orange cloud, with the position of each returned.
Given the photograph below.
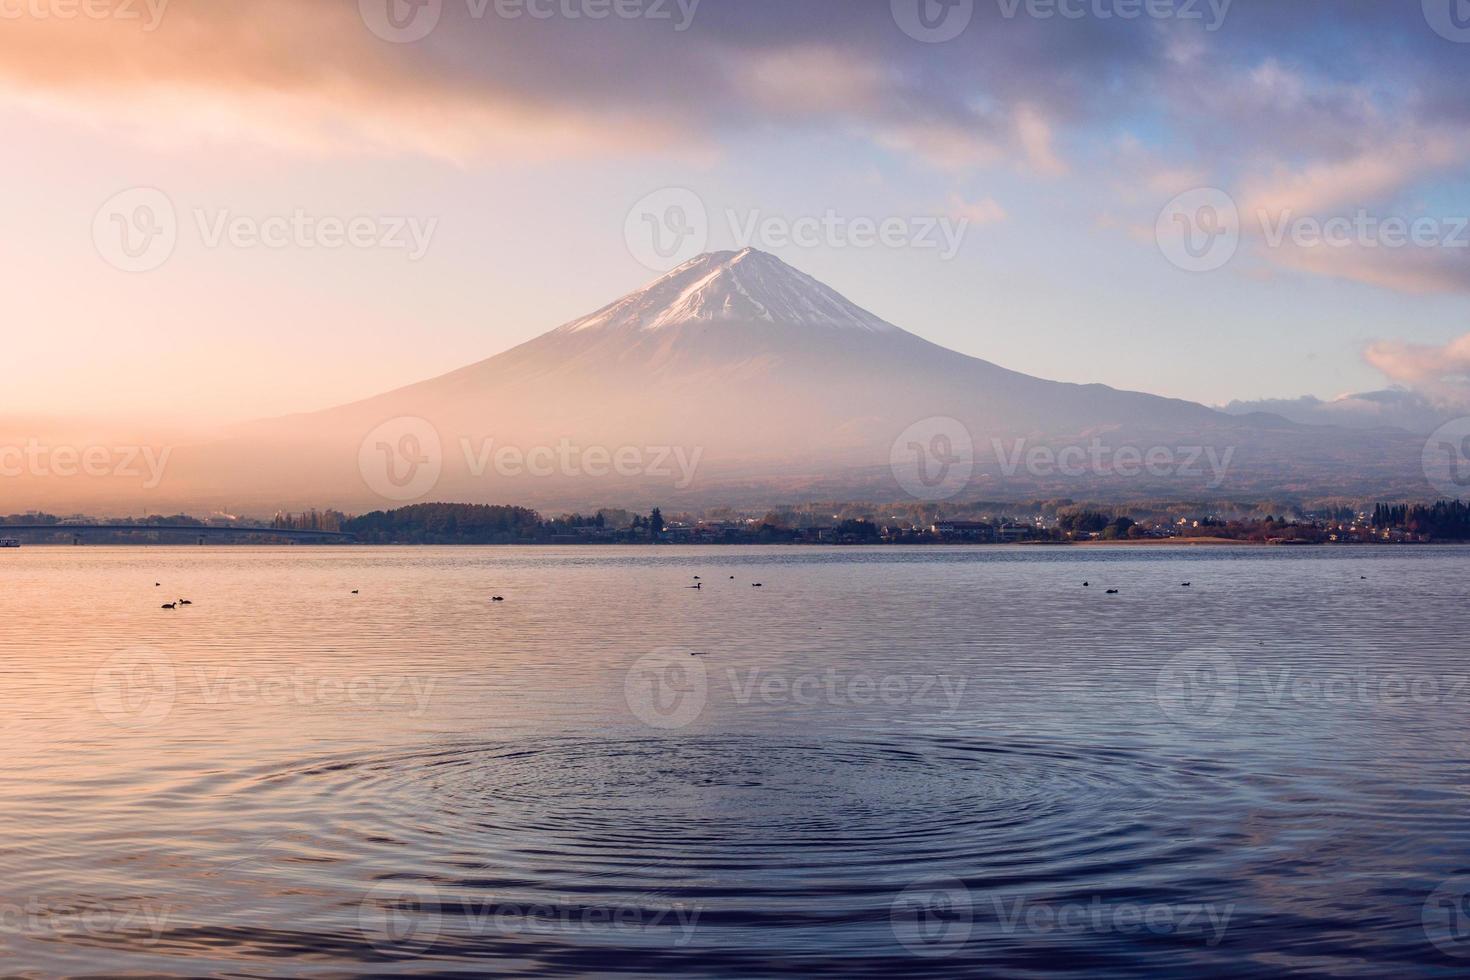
(300, 75)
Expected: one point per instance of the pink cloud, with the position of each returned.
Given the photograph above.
(987, 211)
(1357, 181)
(1421, 364)
(1414, 270)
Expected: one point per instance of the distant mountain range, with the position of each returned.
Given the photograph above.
(1394, 408)
(736, 379)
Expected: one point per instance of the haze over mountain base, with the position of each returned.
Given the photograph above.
(738, 380)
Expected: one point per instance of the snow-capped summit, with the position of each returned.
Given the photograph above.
(749, 286)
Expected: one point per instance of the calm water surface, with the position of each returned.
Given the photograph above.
(914, 762)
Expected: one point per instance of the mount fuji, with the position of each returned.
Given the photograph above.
(774, 387)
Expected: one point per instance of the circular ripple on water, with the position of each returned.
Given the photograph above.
(735, 816)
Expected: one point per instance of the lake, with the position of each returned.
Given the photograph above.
(882, 761)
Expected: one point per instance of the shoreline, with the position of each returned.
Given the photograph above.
(1174, 543)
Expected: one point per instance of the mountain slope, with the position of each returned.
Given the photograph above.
(777, 384)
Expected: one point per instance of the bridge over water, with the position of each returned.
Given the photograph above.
(202, 533)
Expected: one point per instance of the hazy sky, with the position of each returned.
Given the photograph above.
(515, 136)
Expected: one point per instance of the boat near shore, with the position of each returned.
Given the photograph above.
(9, 542)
